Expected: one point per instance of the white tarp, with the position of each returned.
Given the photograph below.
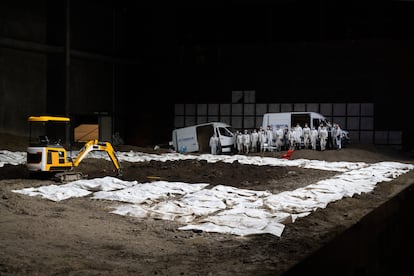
(12, 158)
(223, 208)
(15, 158)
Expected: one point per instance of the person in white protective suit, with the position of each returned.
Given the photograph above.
(254, 136)
(330, 144)
(337, 134)
(279, 138)
(306, 136)
(262, 139)
(269, 136)
(235, 140)
(214, 143)
(298, 136)
(292, 138)
(239, 142)
(313, 137)
(323, 136)
(246, 142)
(286, 141)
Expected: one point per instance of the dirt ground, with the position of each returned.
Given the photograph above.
(80, 236)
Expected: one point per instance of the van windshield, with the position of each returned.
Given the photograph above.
(225, 132)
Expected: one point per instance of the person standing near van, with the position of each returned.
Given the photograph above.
(269, 136)
(313, 137)
(306, 136)
(239, 142)
(323, 137)
(214, 142)
(298, 136)
(255, 138)
(235, 140)
(246, 142)
(286, 139)
(279, 138)
(292, 139)
(330, 140)
(262, 139)
(337, 131)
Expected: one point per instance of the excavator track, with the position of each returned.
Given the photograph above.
(65, 177)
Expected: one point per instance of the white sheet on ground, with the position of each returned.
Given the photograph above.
(12, 157)
(15, 158)
(223, 208)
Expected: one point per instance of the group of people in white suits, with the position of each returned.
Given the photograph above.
(281, 138)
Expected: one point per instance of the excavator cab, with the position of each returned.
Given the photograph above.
(45, 154)
(48, 156)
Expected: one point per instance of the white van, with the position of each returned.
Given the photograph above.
(289, 119)
(196, 138)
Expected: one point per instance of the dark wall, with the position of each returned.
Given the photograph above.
(22, 73)
(134, 61)
(379, 244)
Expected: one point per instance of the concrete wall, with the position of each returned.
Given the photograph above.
(133, 61)
(22, 89)
(32, 68)
(22, 73)
(91, 87)
(357, 118)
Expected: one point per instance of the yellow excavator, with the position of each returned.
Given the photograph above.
(49, 157)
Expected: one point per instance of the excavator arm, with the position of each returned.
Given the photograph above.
(94, 145)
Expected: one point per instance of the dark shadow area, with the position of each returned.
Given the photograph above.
(380, 244)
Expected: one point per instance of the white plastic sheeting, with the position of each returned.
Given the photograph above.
(223, 208)
(79, 188)
(15, 158)
(12, 158)
(243, 159)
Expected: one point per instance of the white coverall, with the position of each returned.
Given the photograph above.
(292, 138)
(262, 140)
(298, 136)
(323, 137)
(313, 138)
(269, 136)
(338, 133)
(255, 138)
(306, 136)
(239, 142)
(246, 142)
(214, 141)
(279, 139)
